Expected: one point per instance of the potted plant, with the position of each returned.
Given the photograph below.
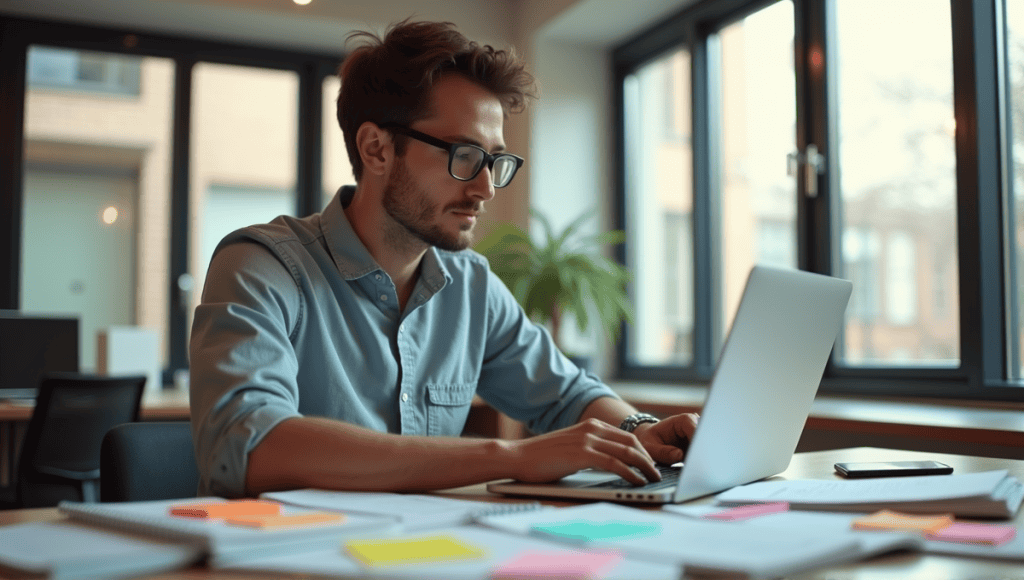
(563, 275)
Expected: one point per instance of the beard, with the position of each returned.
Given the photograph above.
(411, 209)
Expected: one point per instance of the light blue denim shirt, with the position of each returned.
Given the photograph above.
(297, 319)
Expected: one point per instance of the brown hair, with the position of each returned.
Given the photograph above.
(389, 80)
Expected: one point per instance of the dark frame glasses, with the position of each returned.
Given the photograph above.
(465, 160)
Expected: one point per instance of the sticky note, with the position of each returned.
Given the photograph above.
(285, 521)
(224, 509)
(745, 512)
(886, 520)
(991, 534)
(419, 550)
(537, 565)
(590, 531)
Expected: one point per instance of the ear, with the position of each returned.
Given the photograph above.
(375, 147)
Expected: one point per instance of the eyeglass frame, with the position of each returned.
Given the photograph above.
(488, 159)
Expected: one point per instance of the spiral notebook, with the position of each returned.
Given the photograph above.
(223, 543)
(411, 511)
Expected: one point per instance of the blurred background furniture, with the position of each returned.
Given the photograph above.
(149, 460)
(60, 455)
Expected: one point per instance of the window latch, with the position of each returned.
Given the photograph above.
(814, 165)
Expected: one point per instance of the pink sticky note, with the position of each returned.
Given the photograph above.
(975, 533)
(536, 565)
(753, 510)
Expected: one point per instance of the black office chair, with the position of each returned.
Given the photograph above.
(60, 455)
(151, 460)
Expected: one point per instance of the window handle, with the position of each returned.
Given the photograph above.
(814, 165)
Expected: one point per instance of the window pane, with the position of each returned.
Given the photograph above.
(243, 162)
(337, 171)
(1015, 58)
(758, 129)
(97, 190)
(659, 194)
(897, 241)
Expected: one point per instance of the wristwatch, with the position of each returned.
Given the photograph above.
(633, 421)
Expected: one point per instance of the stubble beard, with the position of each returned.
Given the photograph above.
(411, 210)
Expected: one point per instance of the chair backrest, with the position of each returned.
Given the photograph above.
(62, 442)
(148, 461)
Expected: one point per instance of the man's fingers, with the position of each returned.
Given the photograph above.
(622, 457)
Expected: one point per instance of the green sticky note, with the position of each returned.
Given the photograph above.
(587, 531)
(418, 550)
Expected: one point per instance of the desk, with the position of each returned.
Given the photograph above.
(813, 465)
(167, 405)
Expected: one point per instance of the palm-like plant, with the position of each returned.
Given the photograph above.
(564, 275)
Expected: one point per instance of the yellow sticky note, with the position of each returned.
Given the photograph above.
(418, 550)
(886, 520)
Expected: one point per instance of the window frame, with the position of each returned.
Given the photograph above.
(20, 33)
(980, 107)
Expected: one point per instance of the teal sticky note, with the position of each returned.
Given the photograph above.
(587, 531)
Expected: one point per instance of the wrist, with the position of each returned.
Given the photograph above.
(634, 421)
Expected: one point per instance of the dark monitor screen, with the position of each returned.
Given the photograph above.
(31, 345)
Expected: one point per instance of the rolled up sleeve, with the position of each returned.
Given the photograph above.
(242, 362)
(524, 375)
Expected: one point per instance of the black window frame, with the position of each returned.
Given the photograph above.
(17, 34)
(988, 343)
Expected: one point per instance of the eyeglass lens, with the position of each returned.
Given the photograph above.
(467, 162)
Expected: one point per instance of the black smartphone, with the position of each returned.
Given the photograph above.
(892, 468)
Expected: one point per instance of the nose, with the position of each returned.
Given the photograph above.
(481, 186)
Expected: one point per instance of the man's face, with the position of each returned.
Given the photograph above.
(420, 195)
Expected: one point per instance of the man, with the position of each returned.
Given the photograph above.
(343, 350)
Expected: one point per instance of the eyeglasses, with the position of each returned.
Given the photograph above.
(465, 161)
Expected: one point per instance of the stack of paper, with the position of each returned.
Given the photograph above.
(698, 546)
(993, 494)
(223, 542)
(67, 551)
(413, 511)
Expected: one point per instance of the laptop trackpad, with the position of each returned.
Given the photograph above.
(586, 478)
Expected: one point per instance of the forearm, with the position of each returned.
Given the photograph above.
(328, 454)
(607, 409)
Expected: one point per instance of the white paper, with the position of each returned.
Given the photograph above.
(697, 544)
(875, 490)
(413, 511)
(499, 547)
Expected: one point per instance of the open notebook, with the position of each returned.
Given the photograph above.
(757, 404)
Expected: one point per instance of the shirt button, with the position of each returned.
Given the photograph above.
(405, 397)
(401, 329)
(378, 276)
(383, 297)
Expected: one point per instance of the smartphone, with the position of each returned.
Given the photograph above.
(892, 468)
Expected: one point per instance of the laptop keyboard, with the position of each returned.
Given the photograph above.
(669, 477)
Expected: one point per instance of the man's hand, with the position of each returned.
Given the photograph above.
(590, 443)
(667, 439)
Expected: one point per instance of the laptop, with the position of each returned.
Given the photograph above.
(762, 391)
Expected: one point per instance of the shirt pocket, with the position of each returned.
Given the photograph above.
(448, 406)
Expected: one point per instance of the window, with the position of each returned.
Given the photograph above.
(867, 101)
(125, 158)
(96, 192)
(658, 214)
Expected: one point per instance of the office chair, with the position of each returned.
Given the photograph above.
(151, 460)
(60, 456)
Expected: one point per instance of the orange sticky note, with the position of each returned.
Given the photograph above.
(225, 509)
(285, 520)
(991, 534)
(886, 520)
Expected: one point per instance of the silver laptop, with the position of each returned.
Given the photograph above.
(758, 401)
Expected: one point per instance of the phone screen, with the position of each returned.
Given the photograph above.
(892, 468)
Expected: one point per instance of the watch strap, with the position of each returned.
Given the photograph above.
(630, 423)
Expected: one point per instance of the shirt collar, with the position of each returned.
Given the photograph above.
(350, 254)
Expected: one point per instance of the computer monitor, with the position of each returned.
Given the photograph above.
(31, 345)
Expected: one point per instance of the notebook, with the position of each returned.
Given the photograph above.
(224, 543)
(758, 402)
